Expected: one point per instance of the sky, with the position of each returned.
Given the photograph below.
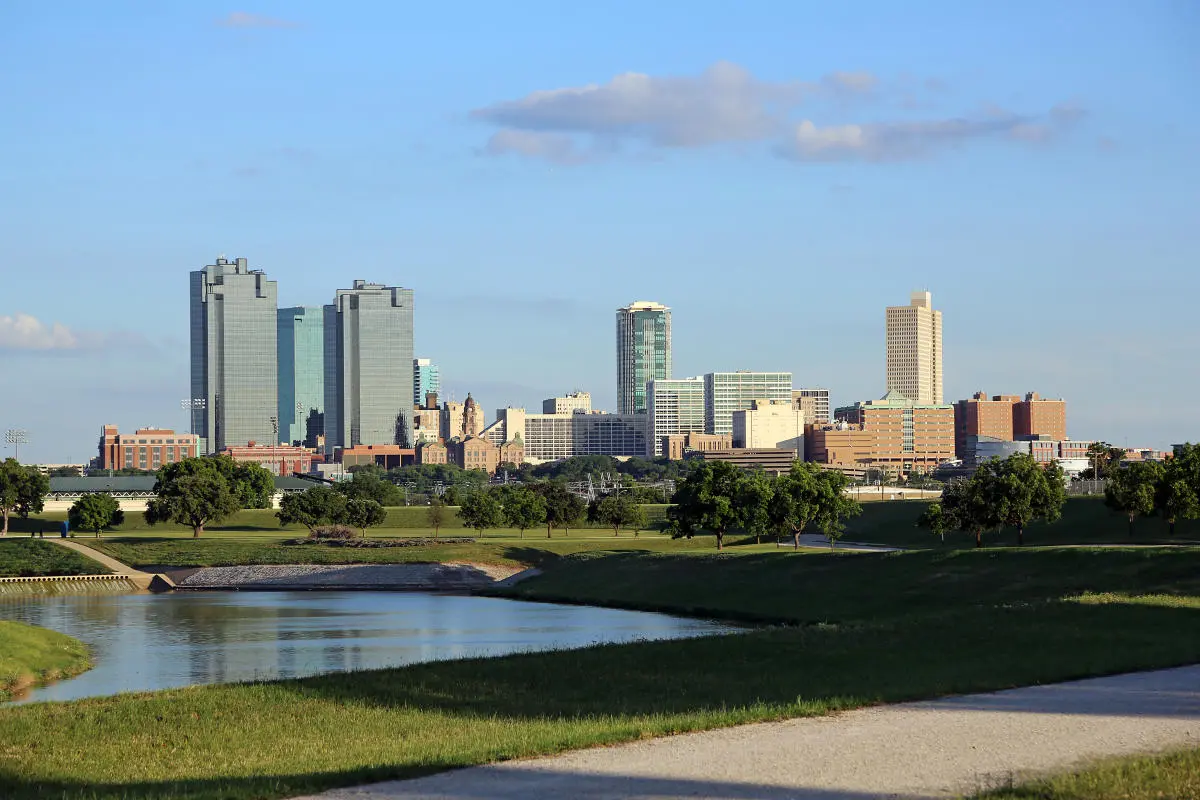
(776, 172)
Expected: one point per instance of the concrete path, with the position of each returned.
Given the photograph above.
(140, 579)
(941, 748)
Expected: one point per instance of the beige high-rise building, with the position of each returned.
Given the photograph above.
(914, 350)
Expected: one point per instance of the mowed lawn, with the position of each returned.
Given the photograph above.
(27, 558)
(892, 627)
(30, 656)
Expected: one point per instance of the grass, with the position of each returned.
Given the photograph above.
(1170, 776)
(894, 627)
(32, 656)
(26, 558)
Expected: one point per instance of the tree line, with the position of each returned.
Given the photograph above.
(1169, 489)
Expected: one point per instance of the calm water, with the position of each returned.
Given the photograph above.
(142, 641)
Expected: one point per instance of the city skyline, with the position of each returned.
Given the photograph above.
(798, 170)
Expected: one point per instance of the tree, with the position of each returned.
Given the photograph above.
(66, 472)
(754, 503)
(795, 501)
(251, 484)
(617, 510)
(834, 505)
(435, 515)
(1130, 490)
(363, 513)
(522, 507)
(193, 499)
(937, 520)
(1178, 494)
(317, 505)
(1022, 490)
(563, 508)
(370, 482)
(1104, 458)
(965, 506)
(95, 511)
(705, 500)
(22, 489)
(481, 510)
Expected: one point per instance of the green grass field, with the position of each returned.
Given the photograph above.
(31, 656)
(25, 558)
(1170, 776)
(893, 627)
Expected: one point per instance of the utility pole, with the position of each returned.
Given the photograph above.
(275, 444)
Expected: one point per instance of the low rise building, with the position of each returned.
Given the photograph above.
(840, 444)
(574, 403)
(677, 446)
(903, 436)
(145, 448)
(388, 456)
(432, 452)
(773, 461)
(282, 459)
(550, 437)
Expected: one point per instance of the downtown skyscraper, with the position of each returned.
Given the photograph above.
(643, 352)
(914, 350)
(234, 391)
(301, 347)
(369, 367)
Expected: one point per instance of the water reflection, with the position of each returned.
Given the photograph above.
(157, 641)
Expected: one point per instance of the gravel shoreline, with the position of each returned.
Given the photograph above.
(408, 577)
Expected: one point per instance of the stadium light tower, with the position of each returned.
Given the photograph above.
(15, 437)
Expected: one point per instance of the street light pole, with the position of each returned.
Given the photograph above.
(275, 444)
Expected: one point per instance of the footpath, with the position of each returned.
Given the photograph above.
(140, 579)
(935, 749)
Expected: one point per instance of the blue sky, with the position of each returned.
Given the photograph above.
(776, 172)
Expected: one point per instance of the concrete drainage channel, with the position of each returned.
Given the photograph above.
(377, 577)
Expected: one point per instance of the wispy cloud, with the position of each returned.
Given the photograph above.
(25, 332)
(244, 19)
(727, 104)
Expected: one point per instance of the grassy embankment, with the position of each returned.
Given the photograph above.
(31, 656)
(893, 627)
(27, 558)
(1170, 776)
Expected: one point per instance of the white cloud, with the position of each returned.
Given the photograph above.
(24, 332)
(894, 141)
(244, 19)
(725, 103)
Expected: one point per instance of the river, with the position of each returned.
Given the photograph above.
(143, 641)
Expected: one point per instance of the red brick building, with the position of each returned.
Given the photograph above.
(282, 459)
(145, 448)
(1008, 418)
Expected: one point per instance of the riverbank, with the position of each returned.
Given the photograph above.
(32, 656)
(448, 577)
(29, 558)
(918, 627)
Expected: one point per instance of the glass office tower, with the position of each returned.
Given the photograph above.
(369, 366)
(727, 392)
(643, 352)
(426, 379)
(233, 355)
(301, 334)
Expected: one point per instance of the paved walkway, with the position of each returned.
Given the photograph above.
(934, 749)
(108, 561)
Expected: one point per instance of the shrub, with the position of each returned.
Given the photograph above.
(334, 532)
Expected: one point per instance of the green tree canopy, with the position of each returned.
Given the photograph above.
(1022, 490)
(616, 511)
(435, 515)
(22, 489)
(315, 506)
(834, 505)
(1131, 489)
(522, 507)
(94, 512)
(194, 498)
(362, 513)
(370, 482)
(706, 500)
(796, 500)
(250, 483)
(1178, 494)
(481, 510)
(563, 508)
(754, 503)
(965, 506)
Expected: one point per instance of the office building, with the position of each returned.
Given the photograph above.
(549, 437)
(727, 392)
(643, 352)
(427, 378)
(145, 448)
(676, 408)
(276, 459)
(574, 403)
(814, 403)
(368, 367)
(771, 425)
(914, 350)
(233, 355)
(300, 337)
(903, 436)
(427, 420)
